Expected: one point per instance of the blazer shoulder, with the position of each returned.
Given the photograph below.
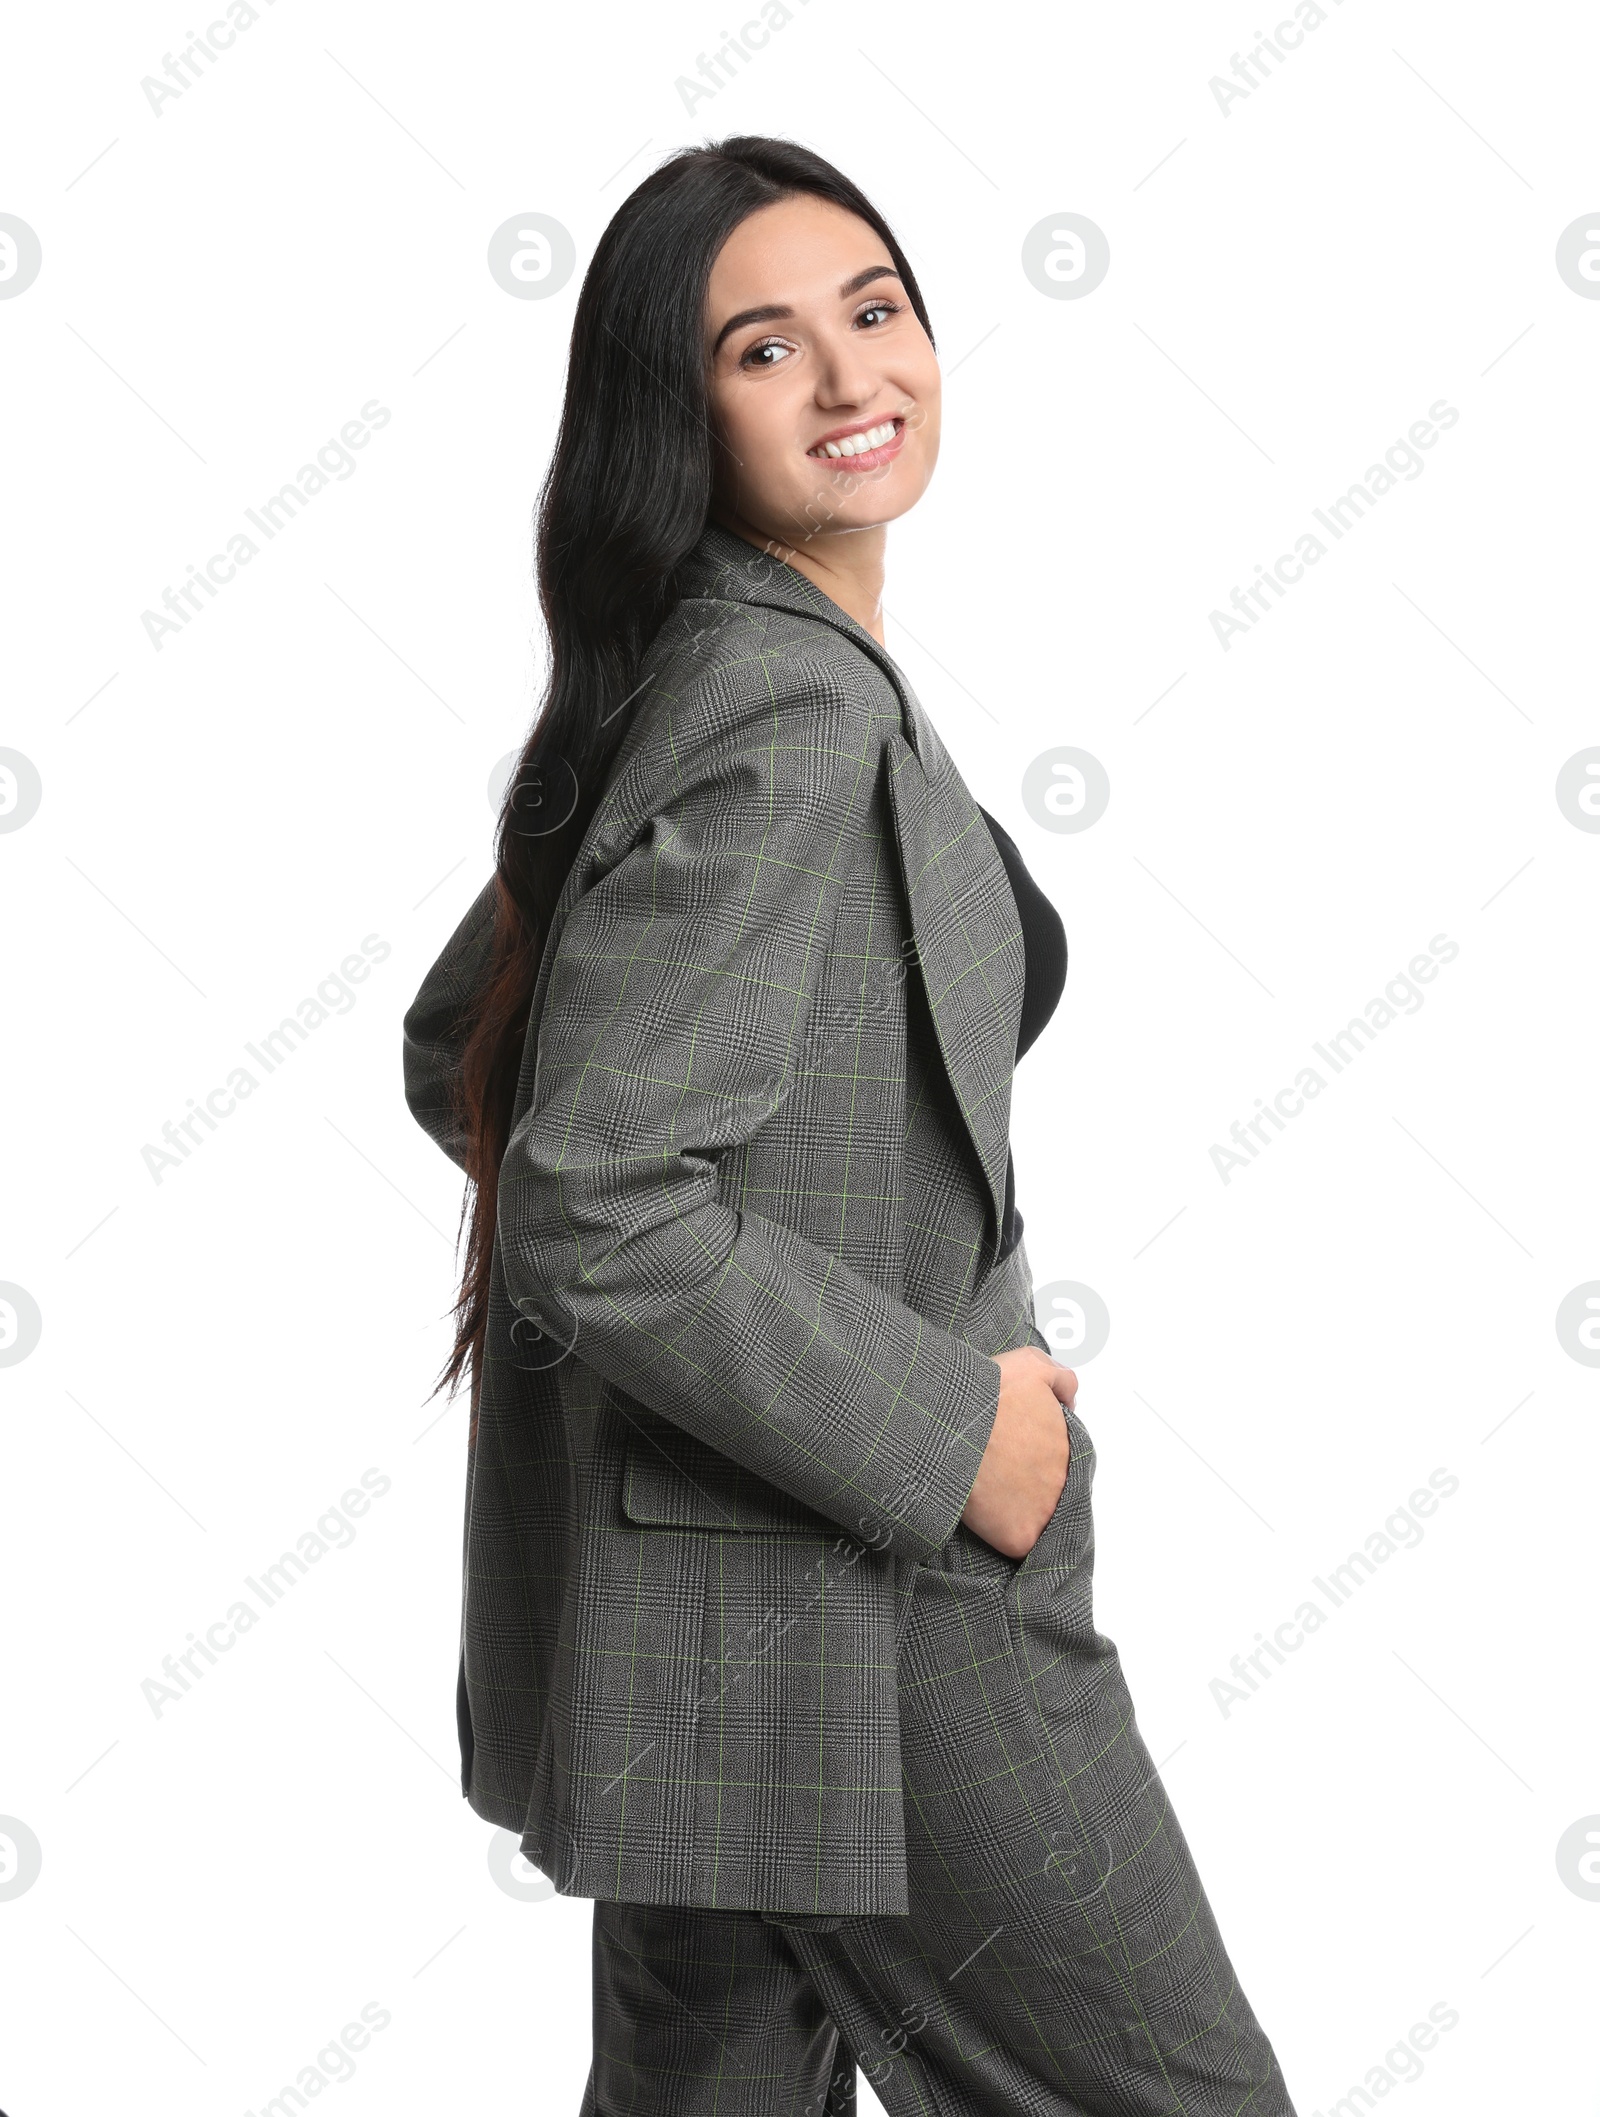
(724, 671)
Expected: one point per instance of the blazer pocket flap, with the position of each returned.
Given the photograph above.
(672, 1477)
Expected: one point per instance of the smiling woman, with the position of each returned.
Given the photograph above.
(778, 1637)
(841, 370)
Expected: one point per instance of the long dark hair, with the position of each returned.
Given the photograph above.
(625, 498)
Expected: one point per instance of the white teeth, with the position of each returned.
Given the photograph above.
(858, 444)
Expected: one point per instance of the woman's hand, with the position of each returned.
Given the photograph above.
(1025, 1464)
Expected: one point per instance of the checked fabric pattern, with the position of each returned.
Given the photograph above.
(728, 1652)
(1059, 1958)
(750, 1268)
(1106, 1987)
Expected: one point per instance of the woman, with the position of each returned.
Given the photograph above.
(777, 1638)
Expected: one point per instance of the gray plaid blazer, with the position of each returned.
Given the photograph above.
(756, 1242)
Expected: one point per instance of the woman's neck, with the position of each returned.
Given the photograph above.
(846, 565)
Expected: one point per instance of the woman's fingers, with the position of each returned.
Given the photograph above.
(1064, 1382)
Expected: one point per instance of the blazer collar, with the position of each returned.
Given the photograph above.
(729, 568)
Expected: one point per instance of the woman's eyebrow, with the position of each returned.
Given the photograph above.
(774, 312)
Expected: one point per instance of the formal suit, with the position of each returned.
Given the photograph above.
(731, 1663)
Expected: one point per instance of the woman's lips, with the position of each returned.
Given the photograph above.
(870, 458)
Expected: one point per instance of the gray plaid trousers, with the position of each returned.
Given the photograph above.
(1059, 1958)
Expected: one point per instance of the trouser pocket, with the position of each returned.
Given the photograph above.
(968, 1552)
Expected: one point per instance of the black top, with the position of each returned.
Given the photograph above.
(1043, 935)
(1045, 941)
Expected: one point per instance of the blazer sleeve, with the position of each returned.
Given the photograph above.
(433, 1034)
(676, 1016)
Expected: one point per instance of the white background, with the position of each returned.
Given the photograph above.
(1293, 283)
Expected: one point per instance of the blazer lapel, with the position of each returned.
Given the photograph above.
(969, 948)
(964, 922)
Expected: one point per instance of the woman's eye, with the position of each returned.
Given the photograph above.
(767, 345)
(885, 308)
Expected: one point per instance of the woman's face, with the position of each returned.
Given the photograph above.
(811, 339)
